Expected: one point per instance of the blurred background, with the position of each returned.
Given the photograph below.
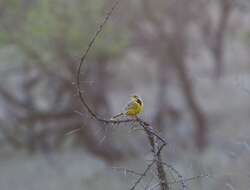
(188, 59)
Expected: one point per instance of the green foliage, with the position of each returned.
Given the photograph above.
(49, 24)
(4, 38)
(246, 38)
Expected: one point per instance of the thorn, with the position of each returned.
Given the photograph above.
(102, 140)
(73, 131)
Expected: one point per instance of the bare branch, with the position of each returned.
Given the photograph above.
(184, 186)
(125, 170)
(157, 154)
(142, 175)
(157, 143)
(188, 179)
(83, 58)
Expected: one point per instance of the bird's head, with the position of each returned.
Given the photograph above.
(136, 98)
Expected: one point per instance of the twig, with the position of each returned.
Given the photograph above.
(142, 175)
(184, 186)
(188, 179)
(73, 131)
(146, 126)
(125, 170)
(157, 154)
(180, 181)
(85, 56)
(148, 185)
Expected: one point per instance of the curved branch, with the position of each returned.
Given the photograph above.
(83, 101)
(153, 137)
(83, 58)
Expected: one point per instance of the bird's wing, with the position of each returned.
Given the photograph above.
(130, 105)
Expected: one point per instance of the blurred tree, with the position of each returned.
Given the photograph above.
(215, 32)
(166, 40)
(49, 34)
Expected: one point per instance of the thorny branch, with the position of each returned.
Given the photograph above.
(157, 143)
(83, 58)
(142, 175)
(127, 171)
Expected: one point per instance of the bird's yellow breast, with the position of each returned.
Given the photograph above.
(135, 109)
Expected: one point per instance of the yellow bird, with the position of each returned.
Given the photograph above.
(133, 107)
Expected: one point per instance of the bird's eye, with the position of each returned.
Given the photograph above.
(139, 101)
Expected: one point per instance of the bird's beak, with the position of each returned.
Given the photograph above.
(132, 97)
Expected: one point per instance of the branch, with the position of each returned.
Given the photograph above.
(153, 137)
(83, 58)
(157, 154)
(181, 180)
(188, 179)
(142, 175)
(125, 171)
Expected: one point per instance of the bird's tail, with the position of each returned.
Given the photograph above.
(116, 116)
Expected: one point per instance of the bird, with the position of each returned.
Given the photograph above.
(133, 107)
